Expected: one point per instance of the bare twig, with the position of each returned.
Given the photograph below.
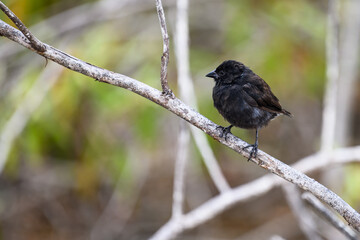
(329, 216)
(180, 171)
(165, 57)
(38, 45)
(349, 70)
(182, 110)
(332, 73)
(306, 221)
(187, 93)
(330, 115)
(210, 160)
(182, 153)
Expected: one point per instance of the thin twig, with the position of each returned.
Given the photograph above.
(329, 216)
(187, 93)
(332, 74)
(165, 57)
(210, 160)
(330, 115)
(182, 155)
(349, 66)
(306, 221)
(36, 43)
(180, 171)
(182, 110)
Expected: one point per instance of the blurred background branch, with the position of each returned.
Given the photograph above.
(307, 223)
(180, 171)
(328, 215)
(332, 75)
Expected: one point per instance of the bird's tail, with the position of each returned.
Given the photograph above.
(286, 113)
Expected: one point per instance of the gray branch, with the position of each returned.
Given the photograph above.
(177, 107)
(37, 44)
(332, 74)
(180, 170)
(306, 221)
(328, 215)
(165, 56)
(251, 190)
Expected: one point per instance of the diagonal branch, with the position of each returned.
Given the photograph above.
(328, 215)
(307, 223)
(36, 43)
(251, 190)
(165, 56)
(177, 107)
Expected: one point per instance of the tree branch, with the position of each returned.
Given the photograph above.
(180, 171)
(165, 56)
(329, 216)
(306, 221)
(251, 190)
(332, 74)
(36, 43)
(349, 71)
(177, 107)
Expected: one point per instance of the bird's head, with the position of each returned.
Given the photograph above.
(227, 72)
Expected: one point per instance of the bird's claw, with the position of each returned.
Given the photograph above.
(224, 131)
(168, 93)
(253, 152)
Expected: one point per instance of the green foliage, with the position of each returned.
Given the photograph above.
(352, 184)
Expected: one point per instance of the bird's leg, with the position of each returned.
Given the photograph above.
(254, 150)
(225, 131)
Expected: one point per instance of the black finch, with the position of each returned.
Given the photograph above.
(244, 99)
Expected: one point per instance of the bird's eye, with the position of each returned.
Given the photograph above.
(221, 73)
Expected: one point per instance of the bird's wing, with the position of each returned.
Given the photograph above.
(260, 96)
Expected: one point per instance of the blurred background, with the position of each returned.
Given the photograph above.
(86, 160)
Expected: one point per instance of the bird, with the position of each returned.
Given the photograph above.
(244, 99)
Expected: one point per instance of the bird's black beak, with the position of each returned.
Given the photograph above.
(213, 75)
